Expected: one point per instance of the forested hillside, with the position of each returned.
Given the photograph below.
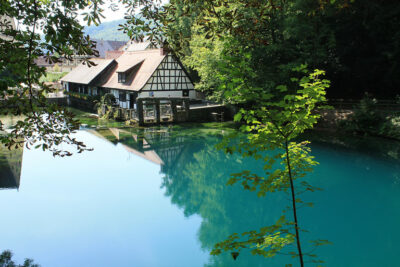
(107, 31)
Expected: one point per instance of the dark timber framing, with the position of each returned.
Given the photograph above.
(169, 72)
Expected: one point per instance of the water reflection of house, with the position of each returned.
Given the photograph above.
(157, 146)
(10, 167)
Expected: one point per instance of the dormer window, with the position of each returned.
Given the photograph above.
(121, 77)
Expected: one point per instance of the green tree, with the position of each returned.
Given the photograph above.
(21, 91)
(195, 183)
(249, 51)
(367, 51)
(273, 127)
(277, 35)
(6, 261)
(356, 42)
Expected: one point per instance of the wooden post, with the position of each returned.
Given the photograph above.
(187, 106)
(174, 112)
(140, 111)
(158, 115)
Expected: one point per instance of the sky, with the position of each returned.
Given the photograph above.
(109, 14)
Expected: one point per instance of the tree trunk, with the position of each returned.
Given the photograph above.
(296, 225)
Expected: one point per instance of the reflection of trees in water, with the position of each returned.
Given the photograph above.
(10, 167)
(195, 180)
(197, 184)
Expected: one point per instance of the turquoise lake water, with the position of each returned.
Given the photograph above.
(158, 198)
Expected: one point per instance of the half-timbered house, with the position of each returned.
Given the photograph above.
(154, 73)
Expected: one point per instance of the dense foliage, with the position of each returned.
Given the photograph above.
(105, 106)
(371, 118)
(245, 53)
(273, 128)
(21, 90)
(356, 42)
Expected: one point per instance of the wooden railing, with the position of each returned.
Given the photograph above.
(383, 104)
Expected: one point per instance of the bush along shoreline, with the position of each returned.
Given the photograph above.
(367, 118)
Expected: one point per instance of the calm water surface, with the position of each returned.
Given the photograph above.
(158, 198)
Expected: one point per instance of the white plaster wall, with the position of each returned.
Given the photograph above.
(190, 86)
(192, 94)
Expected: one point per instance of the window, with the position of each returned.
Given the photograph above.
(121, 77)
(122, 97)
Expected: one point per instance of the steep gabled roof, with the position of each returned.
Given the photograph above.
(139, 66)
(85, 75)
(128, 65)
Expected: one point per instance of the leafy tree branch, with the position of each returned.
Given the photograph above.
(22, 92)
